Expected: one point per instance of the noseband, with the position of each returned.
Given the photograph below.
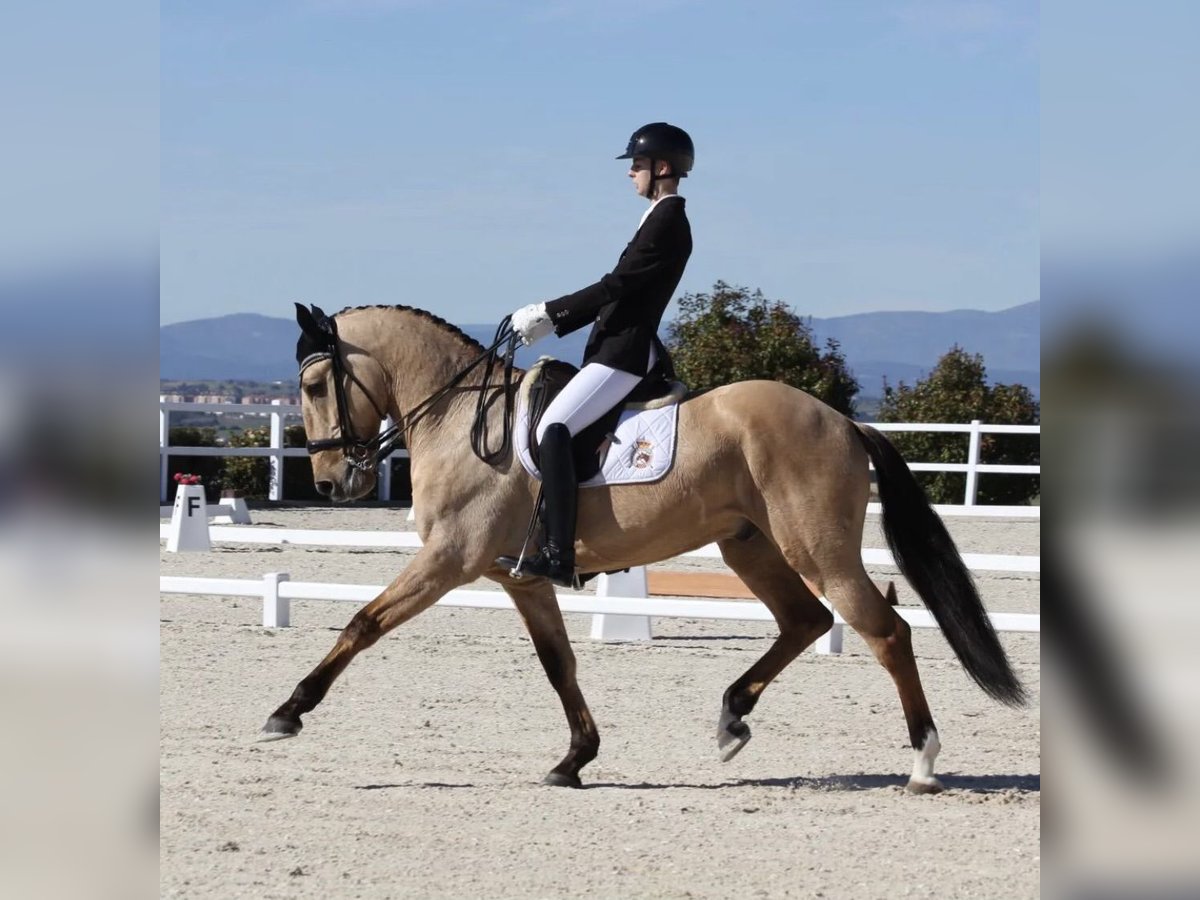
(367, 455)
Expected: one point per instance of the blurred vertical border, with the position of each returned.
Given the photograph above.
(78, 376)
(1120, 214)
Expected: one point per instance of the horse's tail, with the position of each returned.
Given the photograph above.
(926, 555)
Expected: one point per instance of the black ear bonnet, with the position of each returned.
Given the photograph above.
(318, 335)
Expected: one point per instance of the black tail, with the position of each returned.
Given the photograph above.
(926, 555)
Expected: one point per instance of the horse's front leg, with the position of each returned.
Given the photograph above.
(538, 607)
(434, 571)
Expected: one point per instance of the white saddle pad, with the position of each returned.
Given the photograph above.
(641, 450)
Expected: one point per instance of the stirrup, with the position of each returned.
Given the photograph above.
(542, 565)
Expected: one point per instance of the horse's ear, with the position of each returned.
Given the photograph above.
(306, 321)
(315, 332)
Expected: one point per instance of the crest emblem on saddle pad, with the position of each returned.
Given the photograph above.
(643, 454)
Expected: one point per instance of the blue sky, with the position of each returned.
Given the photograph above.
(458, 156)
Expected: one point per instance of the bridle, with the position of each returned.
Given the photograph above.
(367, 455)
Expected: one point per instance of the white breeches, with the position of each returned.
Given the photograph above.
(589, 395)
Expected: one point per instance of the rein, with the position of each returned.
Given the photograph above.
(366, 455)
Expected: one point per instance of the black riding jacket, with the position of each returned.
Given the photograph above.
(627, 304)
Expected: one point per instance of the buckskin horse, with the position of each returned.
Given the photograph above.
(777, 479)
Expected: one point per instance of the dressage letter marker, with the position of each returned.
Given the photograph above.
(189, 520)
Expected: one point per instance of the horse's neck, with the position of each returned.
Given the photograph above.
(446, 430)
(420, 358)
(416, 378)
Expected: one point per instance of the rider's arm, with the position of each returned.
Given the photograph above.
(662, 241)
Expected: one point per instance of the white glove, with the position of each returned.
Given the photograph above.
(531, 323)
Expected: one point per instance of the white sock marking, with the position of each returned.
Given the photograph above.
(922, 772)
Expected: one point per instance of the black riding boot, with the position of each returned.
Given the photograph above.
(556, 560)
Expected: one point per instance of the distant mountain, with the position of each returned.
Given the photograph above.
(906, 345)
(896, 345)
(243, 346)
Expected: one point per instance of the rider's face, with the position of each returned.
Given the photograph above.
(639, 171)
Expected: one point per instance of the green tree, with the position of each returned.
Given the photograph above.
(252, 474)
(248, 474)
(957, 391)
(731, 334)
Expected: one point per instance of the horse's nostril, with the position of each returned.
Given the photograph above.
(324, 488)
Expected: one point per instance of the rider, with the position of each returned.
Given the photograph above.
(626, 305)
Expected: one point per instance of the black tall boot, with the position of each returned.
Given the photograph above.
(556, 560)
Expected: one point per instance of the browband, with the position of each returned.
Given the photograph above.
(314, 358)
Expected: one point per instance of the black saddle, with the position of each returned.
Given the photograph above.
(590, 445)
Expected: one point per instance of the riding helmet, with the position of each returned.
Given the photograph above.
(658, 140)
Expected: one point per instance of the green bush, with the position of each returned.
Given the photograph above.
(733, 335)
(251, 474)
(207, 467)
(957, 391)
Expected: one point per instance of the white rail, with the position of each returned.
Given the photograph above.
(278, 411)
(277, 592)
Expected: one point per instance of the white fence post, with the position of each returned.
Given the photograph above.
(607, 627)
(275, 490)
(277, 611)
(164, 441)
(830, 641)
(973, 463)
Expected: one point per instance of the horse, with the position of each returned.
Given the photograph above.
(777, 479)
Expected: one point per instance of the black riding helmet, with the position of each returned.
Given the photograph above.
(660, 141)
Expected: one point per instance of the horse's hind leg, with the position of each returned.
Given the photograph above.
(802, 619)
(538, 607)
(865, 610)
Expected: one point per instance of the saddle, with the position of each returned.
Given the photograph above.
(547, 378)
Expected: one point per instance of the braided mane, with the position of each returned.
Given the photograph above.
(428, 316)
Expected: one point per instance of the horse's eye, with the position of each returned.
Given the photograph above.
(315, 391)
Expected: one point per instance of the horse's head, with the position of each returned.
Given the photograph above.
(341, 388)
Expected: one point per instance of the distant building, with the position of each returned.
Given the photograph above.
(228, 398)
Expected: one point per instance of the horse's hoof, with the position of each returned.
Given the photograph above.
(925, 786)
(558, 779)
(279, 728)
(731, 738)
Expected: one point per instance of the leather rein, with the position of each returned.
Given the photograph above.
(367, 455)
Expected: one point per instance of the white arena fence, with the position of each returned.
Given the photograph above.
(277, 591)
(620, 607)
(277, 412)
